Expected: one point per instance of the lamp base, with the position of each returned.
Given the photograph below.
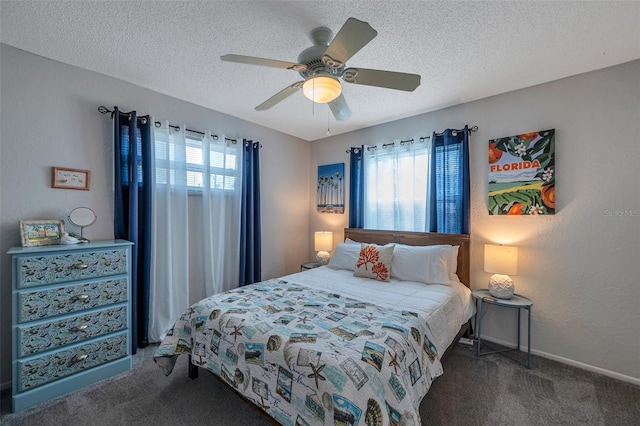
(322, 257)
(501, 286)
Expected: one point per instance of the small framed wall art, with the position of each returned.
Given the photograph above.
(41, 232)
(522, 174)
(330, 196)
(71, 178)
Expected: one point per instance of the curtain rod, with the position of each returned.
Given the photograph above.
(422, 139)
(105, 110)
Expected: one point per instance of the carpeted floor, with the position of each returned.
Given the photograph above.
(491, 390)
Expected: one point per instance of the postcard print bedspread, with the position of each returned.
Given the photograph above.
(309, 357)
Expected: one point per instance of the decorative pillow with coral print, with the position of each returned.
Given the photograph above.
(375, 262)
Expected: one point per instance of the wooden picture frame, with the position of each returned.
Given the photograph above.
(41, 232)
(71, 178)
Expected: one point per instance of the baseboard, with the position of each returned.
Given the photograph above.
(563, 360)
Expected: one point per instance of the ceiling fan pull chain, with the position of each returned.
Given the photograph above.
(328, 122)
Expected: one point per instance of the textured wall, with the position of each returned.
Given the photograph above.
(50, 118)
(580, 266)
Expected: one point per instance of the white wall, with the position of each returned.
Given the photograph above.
(50, 118)
(581, 266)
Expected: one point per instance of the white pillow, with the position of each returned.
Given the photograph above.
(453, 263)
(345, 256)
(374, 261)
(425, 264)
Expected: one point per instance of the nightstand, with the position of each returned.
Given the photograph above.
(516, 302)
(309, 265)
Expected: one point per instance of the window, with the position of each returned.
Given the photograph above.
(415, 185)
(223, 165)
(396, 187)
(448, 191)
(125, 142)
(222, 168)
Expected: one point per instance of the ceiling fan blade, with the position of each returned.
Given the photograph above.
(280, 96)
(352, 37)
(380, 78)
(340, 109)
(252, 60)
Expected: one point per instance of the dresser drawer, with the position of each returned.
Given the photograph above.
(41, 304)
(57, 268)
(45, 369)
(54, 334)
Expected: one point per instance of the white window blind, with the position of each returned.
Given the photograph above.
(223, 163)
(396, 186)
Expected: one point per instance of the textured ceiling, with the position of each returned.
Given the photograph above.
(462, 50)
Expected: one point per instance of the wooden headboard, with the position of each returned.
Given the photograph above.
(418, 239)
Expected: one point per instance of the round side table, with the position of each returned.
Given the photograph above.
(517, 302)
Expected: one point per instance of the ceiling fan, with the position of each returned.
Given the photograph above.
(322, 64)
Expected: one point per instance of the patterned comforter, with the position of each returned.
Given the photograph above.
(309, 357)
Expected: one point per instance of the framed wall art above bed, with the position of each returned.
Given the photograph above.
(330, 195)
(522, 174)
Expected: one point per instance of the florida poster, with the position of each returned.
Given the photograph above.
(522, 174)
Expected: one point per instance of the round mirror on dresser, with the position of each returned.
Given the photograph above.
(82, 217)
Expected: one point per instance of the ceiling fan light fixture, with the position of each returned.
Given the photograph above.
(321, 89)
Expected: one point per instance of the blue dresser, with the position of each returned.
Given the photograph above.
(71, 317)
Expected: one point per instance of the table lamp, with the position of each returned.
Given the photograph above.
(502, 261)
(323, 243)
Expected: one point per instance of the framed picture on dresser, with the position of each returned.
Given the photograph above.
(41, 232)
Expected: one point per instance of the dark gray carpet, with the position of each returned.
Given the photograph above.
(491, 390)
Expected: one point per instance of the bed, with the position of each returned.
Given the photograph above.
(333, 345)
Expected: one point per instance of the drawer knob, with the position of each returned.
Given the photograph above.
(79, 327)
(78, 358)
(80, 265)
(80, 297)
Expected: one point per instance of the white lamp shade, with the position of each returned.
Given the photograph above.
(321, 89)
(323, 241)
(501, 259)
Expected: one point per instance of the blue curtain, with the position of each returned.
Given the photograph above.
(356, 188)
(132, 216)
(250, 233)
(450, 207)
